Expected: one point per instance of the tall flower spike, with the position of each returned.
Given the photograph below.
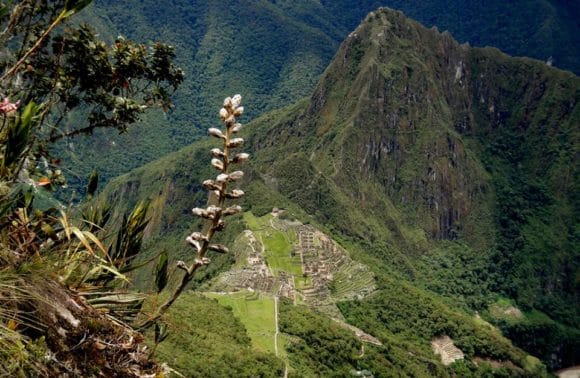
(217, 189)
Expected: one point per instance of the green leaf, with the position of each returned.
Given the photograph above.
(102, 267)
(74, 6)
(93, 184)
(48, 230)
(161, 272)
(160, 333)
(5, 9)
(19, 135)
(118, 299)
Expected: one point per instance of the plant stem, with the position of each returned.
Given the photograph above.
(35, 46)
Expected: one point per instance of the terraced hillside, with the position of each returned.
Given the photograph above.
(257, 313)
(291, 260)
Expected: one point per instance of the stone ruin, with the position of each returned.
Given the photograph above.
(444, 347)
(256, 275)
(322, 261)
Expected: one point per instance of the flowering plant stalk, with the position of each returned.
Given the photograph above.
(223, 160)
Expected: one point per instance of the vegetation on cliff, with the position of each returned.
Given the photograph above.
(274, 52)
(62, 274)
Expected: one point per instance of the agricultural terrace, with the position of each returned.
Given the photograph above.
(257, 314)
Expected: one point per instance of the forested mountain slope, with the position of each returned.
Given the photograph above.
(450, 170)
(274, 52)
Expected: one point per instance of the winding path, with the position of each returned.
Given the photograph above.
(276, 321)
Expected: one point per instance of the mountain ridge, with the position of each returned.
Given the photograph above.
(279, 59)
(445, 139)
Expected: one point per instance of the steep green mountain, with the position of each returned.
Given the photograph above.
(452, 144)
(537, 28)
(274, 52)
(448, 170)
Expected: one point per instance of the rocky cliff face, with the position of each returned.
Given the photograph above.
(389, 112)
(397, 117)
(402, 104)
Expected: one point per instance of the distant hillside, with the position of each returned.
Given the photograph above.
(448, 170)
(274, 51)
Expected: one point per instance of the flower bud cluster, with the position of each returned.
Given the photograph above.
(223, 160)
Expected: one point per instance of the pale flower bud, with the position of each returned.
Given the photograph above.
(236, 193)
(237, 127)
(194, 243)
(236, 142)
(216, 133)
(240, 158)
(236, 100)
(216, 152)
(219, 248)
(224, 114)
(228, 102)
(232, 210)
(198, 236)
(221, 225)
(239, 111)
(222, 178)
(202, 261)
(213, 210)
(217, 164)
(236, 175)
(208, 213)
(211, 185)
(198, 211)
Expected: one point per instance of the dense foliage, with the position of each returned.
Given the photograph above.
(274, 52)
(61, 273)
